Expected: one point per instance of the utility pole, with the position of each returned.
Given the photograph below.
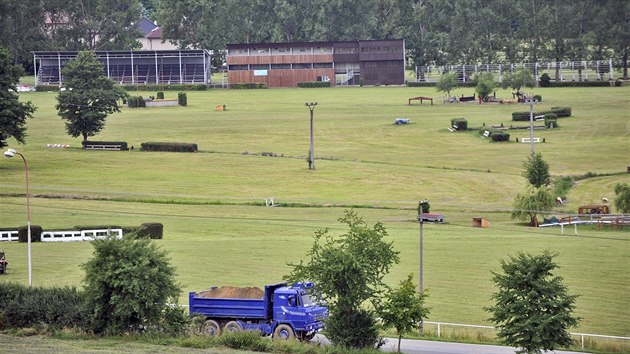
(311, 158)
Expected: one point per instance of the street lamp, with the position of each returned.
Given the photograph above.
(9, 154)
(311, 160)
(421, 205)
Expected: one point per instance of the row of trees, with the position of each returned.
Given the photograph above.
(437, 32)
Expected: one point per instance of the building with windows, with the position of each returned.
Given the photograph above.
(371, 62)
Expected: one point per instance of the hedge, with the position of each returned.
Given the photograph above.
(135, 102)
(123, 144)
(171, 147)
(248, 86)
(46, 88)
(314, 84)
(605, 83)
(433, 84)
(495, 134)
(182, 99)
(172, 87)
(160, 95)
(23, 307)
(558, 111)
(150, 230)
(36, 233)
(460, 124)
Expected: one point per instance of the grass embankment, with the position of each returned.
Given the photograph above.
(217, 236)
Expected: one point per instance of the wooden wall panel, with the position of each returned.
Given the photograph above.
(279, 59)
(281, 78)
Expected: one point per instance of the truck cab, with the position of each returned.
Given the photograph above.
(293, 306)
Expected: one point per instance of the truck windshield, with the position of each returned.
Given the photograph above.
(307, 301)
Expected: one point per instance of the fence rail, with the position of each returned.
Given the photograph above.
(67, 236)
(581, 335)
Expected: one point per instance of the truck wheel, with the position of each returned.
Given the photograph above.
(211, 328)
(232, 327)
(283, 332)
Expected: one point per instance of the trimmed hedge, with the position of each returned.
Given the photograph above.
(560, 112)
(23, 307)
(153, 231)
(160, 95)
(123, 144)
(182, 99)
(314, 84)
(604, 83)
(46, 88)
(495, 134)
(136, 102)
(433, 84)
(248, 86)
(551, 120)
(36, 233)
(172, 87)
(171, 147)
(460, 123)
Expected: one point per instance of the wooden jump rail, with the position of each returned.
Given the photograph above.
(421, 99)
(103, 147)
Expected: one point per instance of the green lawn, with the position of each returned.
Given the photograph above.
(218, 233)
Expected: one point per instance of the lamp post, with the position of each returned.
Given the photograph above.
(11, 153)
(531, 103)
(421, 221)
(311, 160)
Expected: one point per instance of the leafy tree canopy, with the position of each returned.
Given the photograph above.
(536, 170)
(89, 96)
(527, 206)
(13, 113)
(522, 77)
(533, 310)
(348, 270)
(622, 198)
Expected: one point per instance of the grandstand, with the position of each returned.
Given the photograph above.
(132, 67)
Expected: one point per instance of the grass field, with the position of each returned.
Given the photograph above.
(218, 232)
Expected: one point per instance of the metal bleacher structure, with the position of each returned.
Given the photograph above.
(135, 67)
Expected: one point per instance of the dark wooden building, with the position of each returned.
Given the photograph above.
(375, 62)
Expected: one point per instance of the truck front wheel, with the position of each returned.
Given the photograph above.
(211, 328)
(232, 327)
(283, 332)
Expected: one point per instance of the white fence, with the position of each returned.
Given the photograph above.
(67, 236)
(581, 335)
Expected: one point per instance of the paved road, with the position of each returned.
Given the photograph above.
(409, 346)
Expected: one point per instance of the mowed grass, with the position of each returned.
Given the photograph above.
(215, 234)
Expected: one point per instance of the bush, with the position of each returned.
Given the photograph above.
(461, 124)
(161, 87)
(551, 120)
(46, 88)
(136, 101)
(560, 112)
(160, 95)
(248, 86)
(123, 144)
(150, 230)
(618, 83)
(182, 99)
(500, 136)
(314, 84)
(36, 233)
(537, 98)
(172, 147)
(545, 80)
(22, 306)
(579, 84)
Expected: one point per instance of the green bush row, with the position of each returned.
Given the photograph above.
(495, 134)
(22, 306)
(136, 102)
(314, 84)
(46, 88)
(560, 112)
(123, 144)
(433, 84)
(171, 87)
(248, 86)
(604, 83)
(171, 147)
(460, 124)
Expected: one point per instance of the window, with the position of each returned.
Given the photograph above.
(238, 52)
(259, 66)
(346, 50)
(280, 66)
(238, 67)
(370, 64)
(303, 66)
(322, 65)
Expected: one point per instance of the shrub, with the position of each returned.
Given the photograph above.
(248, 86)
(161, 87)
(618, 83)
(499, 136)
(560, 112)
(551, 120)
(150, 230)
(460, 124)
(23, 306)
(421, 84)
(46, 88)
(181, 99)
(537, 98)
(580, 84)
(545, 80)
(160, 95)
(36, 233)
(123, 144)
(314, 84)
(135, 102)
(172, 147)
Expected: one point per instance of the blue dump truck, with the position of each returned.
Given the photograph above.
(285, 311)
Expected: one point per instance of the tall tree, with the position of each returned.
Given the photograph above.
(13, 113)
(348, 271)
(533, 310)
(89, 96)
(527, 206)
(519, 78)
(622, 198)
(21, 29)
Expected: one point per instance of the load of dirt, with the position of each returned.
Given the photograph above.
(232, 292)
